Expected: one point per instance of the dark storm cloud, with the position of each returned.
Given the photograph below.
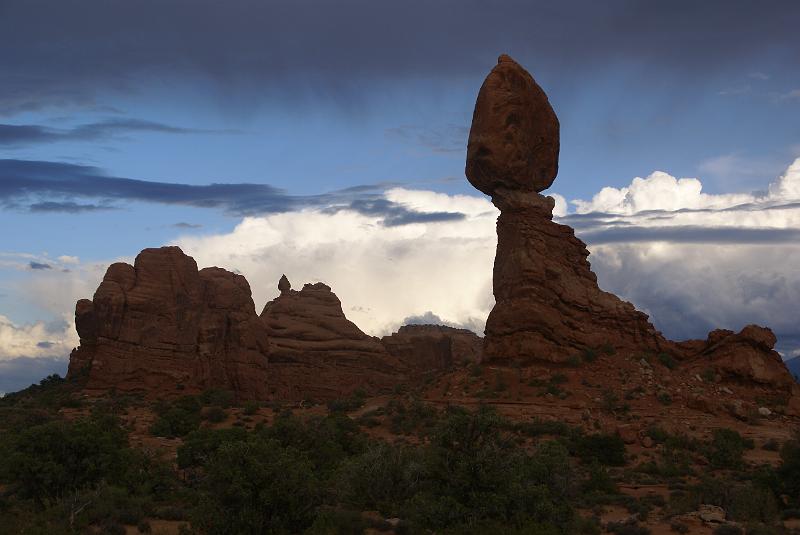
(62, 53)
(67, 207)
(17, 135)
(395, 215)
(53, 186)
(39, 265)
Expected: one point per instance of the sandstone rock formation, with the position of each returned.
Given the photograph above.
(746, 357)
(433, 348)
(514, 142)
(162, 325)
(548, 304)
(316, 352)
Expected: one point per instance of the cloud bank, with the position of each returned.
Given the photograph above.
(693, 261)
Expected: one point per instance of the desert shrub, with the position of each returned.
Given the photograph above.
(608, 349)
(727, 448)
(788, 471)
(627, 528)
(251, 407)
(117, 505)
(381, 478)
(326, 441)
(658, 434)
(257, 486)
(48, 461)
(558, 379)
(589, 355)
(667, 361)
(673, 461)
(664, 398)
(604, 449)
(611, 403)
(198, 446)
(473, 473)
(539, 427)
(338, 521)
(175, 422)
(708, 375)
(598, 481)
(217, 398)
(215, 414)
(355, 401)
(742, 501)
(771, 445)
(406, 419)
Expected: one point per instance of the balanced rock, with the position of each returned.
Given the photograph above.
(162, 326)
(514, 142)
(317, 353)
(548, 305)
(433, 348)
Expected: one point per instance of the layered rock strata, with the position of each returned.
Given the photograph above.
(162, 325)
(433, 348)
(317, 353)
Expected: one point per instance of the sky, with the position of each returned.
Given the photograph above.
(326, 140)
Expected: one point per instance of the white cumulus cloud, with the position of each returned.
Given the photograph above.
(381, 274)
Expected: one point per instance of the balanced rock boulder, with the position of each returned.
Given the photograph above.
(317, 353)
(548, 304)
(514, 140)
(433, 348)
(162, 326)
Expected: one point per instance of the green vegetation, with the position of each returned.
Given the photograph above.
(727, 448)
(451, 470)
(667, 360)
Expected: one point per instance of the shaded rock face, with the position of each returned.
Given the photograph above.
(317, 353)
(548, 304)
(746, 357)
(433, 348)
(162, 323)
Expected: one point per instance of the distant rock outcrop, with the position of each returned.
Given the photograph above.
(316, 352)
(162, 325)
(548, 304)
(433, 348)
(746, 357)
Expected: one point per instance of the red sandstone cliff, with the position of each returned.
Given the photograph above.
(162, 325)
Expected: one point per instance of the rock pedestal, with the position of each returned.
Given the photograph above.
(548, 304)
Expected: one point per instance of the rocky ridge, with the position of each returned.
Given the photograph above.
(316, 352)
(162, 326)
